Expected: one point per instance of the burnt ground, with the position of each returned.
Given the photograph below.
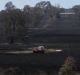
(35, 64)
(46, 60)
(67, 39)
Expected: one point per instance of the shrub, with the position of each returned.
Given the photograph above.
(69, 67)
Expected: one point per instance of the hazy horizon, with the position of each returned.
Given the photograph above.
(21, 3)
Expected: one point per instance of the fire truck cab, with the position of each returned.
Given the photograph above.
(39, 49)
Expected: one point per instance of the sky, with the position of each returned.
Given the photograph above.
(21, 3)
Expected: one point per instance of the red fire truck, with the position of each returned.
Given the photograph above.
(39, 49)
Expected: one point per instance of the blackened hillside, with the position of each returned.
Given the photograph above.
(64, 32)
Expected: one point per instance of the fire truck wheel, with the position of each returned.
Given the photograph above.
(41, 51)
